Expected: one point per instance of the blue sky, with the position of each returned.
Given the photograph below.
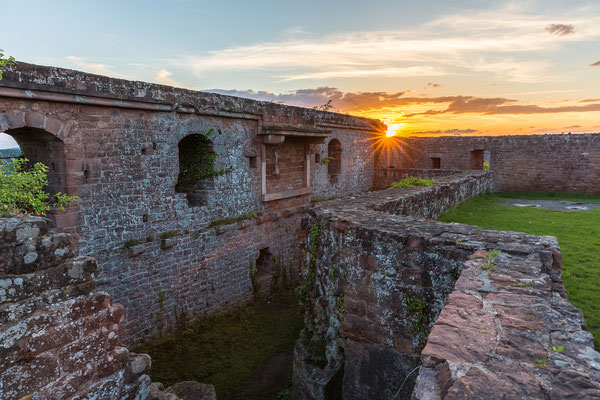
(536, 55)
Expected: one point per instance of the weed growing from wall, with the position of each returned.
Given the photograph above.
(489, 262)
(411, 181)
(303, 291)
(420, 323)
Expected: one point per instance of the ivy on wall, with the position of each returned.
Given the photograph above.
(197, 159)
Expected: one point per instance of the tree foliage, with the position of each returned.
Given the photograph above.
(4, 62)
(23, 191)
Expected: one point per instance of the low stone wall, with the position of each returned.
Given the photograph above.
(384, 177)
(510, 334)
(379, 283)
(378, 279)
(58, 338)
(432, 201)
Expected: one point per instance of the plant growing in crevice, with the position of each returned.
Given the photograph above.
(131, 243)
(169, 234)
(327, 160)
(303, 291)
(418, 308)
(541, 362)
(489, 262)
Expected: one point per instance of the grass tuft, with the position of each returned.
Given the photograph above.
(411, 181)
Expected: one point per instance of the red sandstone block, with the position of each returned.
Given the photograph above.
(35, 119)
(16, 119)
(64, 219)
(53, 126)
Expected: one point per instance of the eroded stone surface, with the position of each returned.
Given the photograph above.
(58, 338)
(517, 352)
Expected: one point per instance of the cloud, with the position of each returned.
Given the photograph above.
(494, 106)
(368, 101)
(433, 85)
(447, 131)
(572, 127)
(589, 101)
(342, 101)
(100, 69)
(163, 76)
(596, 64)
(560, 29)
(505, 42)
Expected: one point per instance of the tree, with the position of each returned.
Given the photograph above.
(5, 62)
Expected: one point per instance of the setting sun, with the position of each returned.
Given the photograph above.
(393, 129)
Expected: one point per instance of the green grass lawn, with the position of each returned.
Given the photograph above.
(578, 235)
(229, 350)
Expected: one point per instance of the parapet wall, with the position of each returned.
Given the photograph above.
(544, 163)
(380, 281)
(59, 339)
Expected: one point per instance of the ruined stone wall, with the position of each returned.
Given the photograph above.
(509, 331)
(544, 163)
(59, 338)
(119, 144)
(389, 291)
(380, 281)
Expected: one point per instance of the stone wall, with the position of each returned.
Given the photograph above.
(116, 146)
(510, 332)
(59, 338)
(544, 163)
(380, 277)
(379, 283)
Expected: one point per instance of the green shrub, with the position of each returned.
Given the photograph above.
(23, 191)
(411, 181)
(486, 165)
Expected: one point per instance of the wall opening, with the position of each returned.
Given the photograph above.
(436, 162)
(334, 166)
(38, 145)
(196, 174)
(477, 159)
(264, 270)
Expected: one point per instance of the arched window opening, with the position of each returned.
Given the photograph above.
(334, 155)
(38, 145)
(196, 173)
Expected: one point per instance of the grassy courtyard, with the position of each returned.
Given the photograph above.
(578, 234)
(246, 354)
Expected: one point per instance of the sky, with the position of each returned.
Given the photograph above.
(427, 68)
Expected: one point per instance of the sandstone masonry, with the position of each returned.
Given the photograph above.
(59, 337)
(386, 283)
